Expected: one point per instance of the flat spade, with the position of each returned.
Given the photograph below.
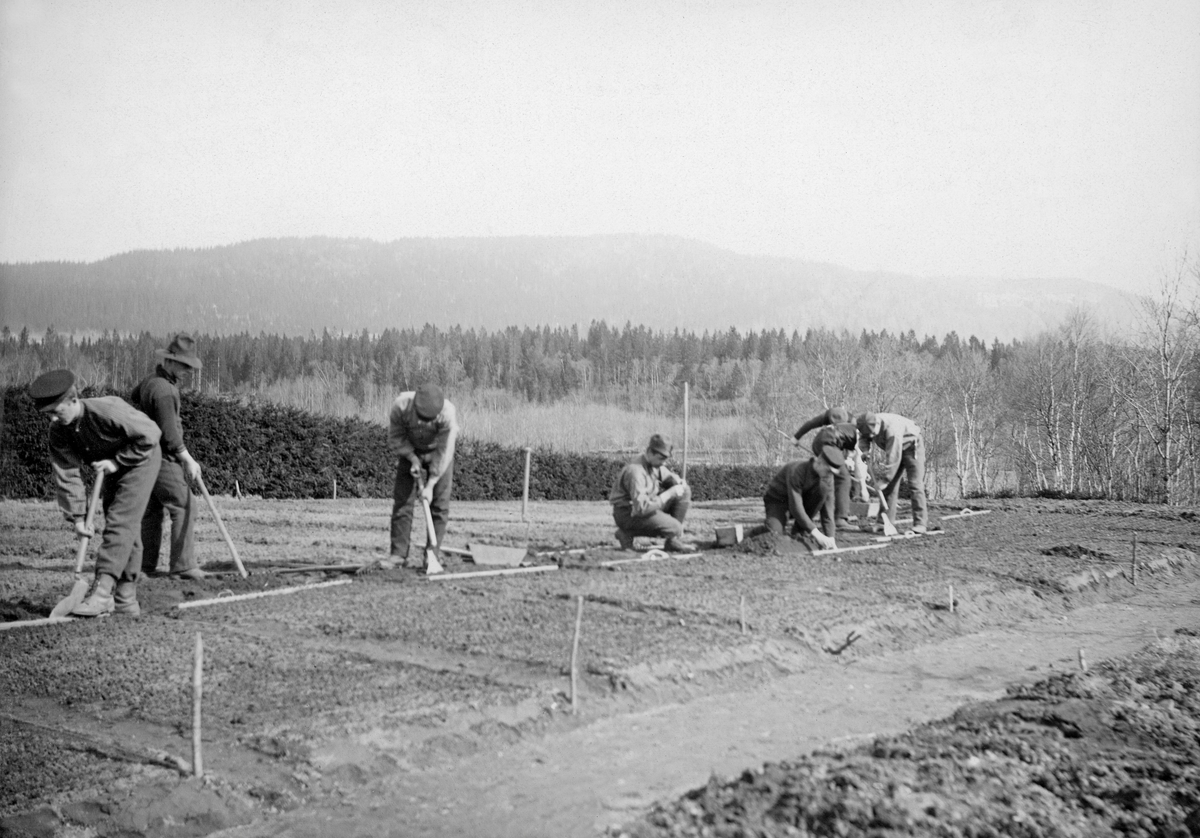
(68, 603)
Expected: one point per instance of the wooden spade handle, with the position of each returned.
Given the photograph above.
(432, 536)
(221, 526)
(81, 554)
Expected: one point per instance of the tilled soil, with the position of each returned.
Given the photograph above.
(313, 695)
(1111, 751)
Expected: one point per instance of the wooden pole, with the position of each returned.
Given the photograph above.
(575, 655)
(197, 691)
(683, 470)
(237, 489)
(525, 491)
(220, 600)
(742, 613)
(1133, 561)
(335, 488)
(1082, 661)
(224, 532)
(952, 599)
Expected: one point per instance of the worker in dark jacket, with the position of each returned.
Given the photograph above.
(835, 426)
(803, 490)
(904, 455)
(158, 397)
(121, 443)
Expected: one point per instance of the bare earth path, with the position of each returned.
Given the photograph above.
(596, 777)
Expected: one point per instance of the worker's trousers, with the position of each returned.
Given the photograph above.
(123, 498)
(405, 496)
(171, 495)
(912, 466)
(665, 523)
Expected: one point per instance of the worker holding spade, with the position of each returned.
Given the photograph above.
(904, 455)
(422, 430)
(121, 443)
(803, 491)
(649, 499)
(158, 397)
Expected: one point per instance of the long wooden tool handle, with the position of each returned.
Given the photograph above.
(81, 553)
(221, 526)
(428, 515)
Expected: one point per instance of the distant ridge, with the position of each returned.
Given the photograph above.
(294, 286)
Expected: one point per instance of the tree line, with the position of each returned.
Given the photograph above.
(1070, 411)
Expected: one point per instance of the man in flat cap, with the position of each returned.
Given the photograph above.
(157, 396)
(904, 454)
(836, 426)
(121, 443)
(649, 499)
(422, 430)
(803, 490)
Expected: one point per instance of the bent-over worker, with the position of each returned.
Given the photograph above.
(803, 490)
(904, 455)
(422, 430)
(844, 437)
(157, 396)
(651, 500)
(120, 442)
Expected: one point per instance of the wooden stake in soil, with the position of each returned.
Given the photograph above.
(237, 490)
(1082, 661)
(197, 690)
(575, 655)
(1133, 561)
(683, 469)
(742, 613)
(525, 491)
(335, 488)
(952, 599)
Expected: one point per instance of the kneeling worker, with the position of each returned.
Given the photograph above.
(649, 499)
(803, 489)
(121, 443)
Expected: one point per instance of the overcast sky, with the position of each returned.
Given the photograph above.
(1029, 138)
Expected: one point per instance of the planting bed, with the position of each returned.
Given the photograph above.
(380, 700)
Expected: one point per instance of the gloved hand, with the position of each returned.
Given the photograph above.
(415, 468)
(83, 530)
(105, 466)
(822, 539)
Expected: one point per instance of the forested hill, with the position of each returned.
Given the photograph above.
(294, 286)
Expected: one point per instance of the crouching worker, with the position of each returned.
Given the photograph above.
(422, 431)
(649, 499)
(121, 443)
(803, 490)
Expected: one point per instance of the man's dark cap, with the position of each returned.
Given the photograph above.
(833, 455)
(660, 444)
(428, 401)
(50, 388)
(866, 425)
(837, 415)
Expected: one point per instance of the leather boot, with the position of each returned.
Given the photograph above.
(675, 544)
(625, 539)
(125, 600)
(100, 601)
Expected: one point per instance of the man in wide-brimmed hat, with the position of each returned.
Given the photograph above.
(158, 397)
(120, 442)
(422, 430)
(649, 499)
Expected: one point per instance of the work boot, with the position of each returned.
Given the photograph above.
(125, 600)
(625, 539)
(195, 574)
(100, 601)
(675, 544)
(920, 529)
(844, 525)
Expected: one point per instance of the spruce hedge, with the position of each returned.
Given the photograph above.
(283, 452)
